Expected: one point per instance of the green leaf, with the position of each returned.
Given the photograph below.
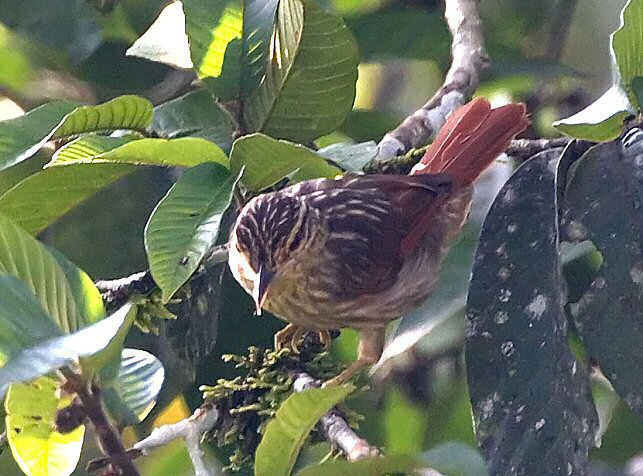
(309, 86)
(214, 31)
(132, 394)
(600, 121)
(258, 27)
(627, 47)
(603, 203)
(287, 432)
(529, 394)
(86, 295)
(23, 321)
(54, 352)
(40, 199)
(377, 466)
(196, 114)
(182, 152)
(35, 445)
(27, 259)
(165, 40)
(265, 161)
(455, 459)
(124, 112)
(22, 137)
(350, 157)
(185, 224)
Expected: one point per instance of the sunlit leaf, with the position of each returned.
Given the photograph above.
(185, 224)
(287, 432)
(600, 121)
(309, 85)
(35, 445)
(627, 47)
(181, 152)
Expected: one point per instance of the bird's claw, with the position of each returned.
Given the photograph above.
(292, 335)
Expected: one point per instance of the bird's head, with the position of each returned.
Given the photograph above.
(272, 237)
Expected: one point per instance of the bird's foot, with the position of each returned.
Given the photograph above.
(292, 336)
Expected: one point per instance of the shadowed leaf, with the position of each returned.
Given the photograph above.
(530, 396)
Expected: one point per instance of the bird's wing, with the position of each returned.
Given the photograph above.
(370, 218)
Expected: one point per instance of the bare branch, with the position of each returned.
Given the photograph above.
(116, 292)
(463, 77)
(336, 429)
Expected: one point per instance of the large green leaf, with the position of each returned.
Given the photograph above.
(40, 199)
(185, 224)
(38, 449)
(529, 394)
(181, 152)
(627, 47)
(196, 114)
(377, 466)
(53, 352)
(603, 203)
(309, 86)
(27, 259)
(214, 31)
(229, 42)
(22, 137)
(287, 432)
(265, 161)
(133, 392)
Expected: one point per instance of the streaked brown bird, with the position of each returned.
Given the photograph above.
(362, 250)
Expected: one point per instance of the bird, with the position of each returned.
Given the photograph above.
(359, 251)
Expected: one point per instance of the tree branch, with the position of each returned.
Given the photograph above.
(110, 440)
(463, 77)
(336, 429)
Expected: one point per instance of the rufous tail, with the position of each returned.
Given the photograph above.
(471, 139)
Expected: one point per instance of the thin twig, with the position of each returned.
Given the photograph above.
(463, 77)
(190, 430)
(336, 429)
(110, 440)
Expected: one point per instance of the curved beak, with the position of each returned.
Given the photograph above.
(260, 289)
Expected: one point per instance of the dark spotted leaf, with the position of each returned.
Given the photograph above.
(530, 396)
(604, 204)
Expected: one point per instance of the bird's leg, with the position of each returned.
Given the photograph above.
(285, 336)
(291, 335)
(369, 351)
